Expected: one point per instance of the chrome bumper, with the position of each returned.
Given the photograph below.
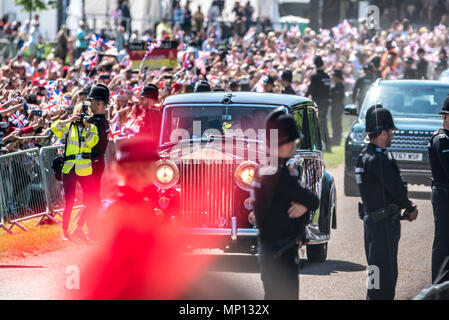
(234, 232)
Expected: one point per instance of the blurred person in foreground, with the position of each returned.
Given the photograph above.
(138, 255)
(80, 137)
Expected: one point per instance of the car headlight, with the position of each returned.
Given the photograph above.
(244, 175)
(359, 136)
(167, 174)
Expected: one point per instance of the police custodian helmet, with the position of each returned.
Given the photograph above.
(99, 92)
(285, 124)
(150, 91)
(378, 119)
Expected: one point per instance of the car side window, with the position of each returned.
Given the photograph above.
(299, 116)
(315, 143)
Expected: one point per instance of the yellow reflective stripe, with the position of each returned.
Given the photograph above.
(69, 163)
(73, 143)
(59, 127)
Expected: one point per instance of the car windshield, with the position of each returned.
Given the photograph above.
(407, 101)
(202, 122)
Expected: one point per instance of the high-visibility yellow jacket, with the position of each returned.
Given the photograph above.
(76, 145)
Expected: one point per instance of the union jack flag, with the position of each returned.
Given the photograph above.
(95, 42)
(114, 127)
(151, 46)
(90, 64)
(19, 120)
(186, 63)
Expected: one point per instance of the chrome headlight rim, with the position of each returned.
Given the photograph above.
(240, 169)
(360, 136)
(174, 180)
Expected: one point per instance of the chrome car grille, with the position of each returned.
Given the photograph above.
(411, 139)
(207, 193)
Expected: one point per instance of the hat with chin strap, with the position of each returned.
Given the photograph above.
(378, 119)
(99, 92)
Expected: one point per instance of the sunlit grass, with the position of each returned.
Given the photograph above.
(38, 240)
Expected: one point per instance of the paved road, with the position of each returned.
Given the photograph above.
(341, 277)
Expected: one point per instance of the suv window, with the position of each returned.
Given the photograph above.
(313, 128)
(299, 116)
(411, 101)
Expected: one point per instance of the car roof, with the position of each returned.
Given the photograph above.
(423, 83)
(236, 98)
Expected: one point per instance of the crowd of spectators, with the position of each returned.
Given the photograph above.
(35, 91)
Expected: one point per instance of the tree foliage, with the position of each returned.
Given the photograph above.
(36, 5)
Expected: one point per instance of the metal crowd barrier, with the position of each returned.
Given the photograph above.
(29, 189)
(22, 189)
(435, 292)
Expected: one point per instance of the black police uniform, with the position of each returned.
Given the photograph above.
(289, 90)
(439, 162)
(319, 88)
(273, 191)
(421, 69)
(337, 108)
(410, 73)
(361, 87)
(381, 185)
(287, 76)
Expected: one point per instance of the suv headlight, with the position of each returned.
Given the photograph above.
(359, 136)
(244, 175)
(167, 174)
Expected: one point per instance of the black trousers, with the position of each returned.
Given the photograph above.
(98, 167)
(279, 276)
(336, 115)
(323, 110)
(69, 183)
(440, 249)
(381, 248)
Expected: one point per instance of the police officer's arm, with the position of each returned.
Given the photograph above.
(59, 128)
(293, 190)
(391, 180)
(442, 148)
(92, 136)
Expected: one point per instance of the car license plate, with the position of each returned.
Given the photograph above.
(405, 156)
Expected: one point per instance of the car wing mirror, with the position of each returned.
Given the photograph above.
(352, 110)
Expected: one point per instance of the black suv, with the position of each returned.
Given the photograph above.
(414, 105)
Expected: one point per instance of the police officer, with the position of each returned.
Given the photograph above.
(281, 207)
(319, 89)
(149, 99)
(99, 99)
(286, 81)
(383, 194)
(409, 72)
(439, 161)
(268, 84)
(337, 108)
(363, 84)
(202, 86)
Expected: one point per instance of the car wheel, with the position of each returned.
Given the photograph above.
(317, 253)
(351, 188)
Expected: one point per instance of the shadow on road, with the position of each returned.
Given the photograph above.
(329, 267)
(248, 264)
(421, 195)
